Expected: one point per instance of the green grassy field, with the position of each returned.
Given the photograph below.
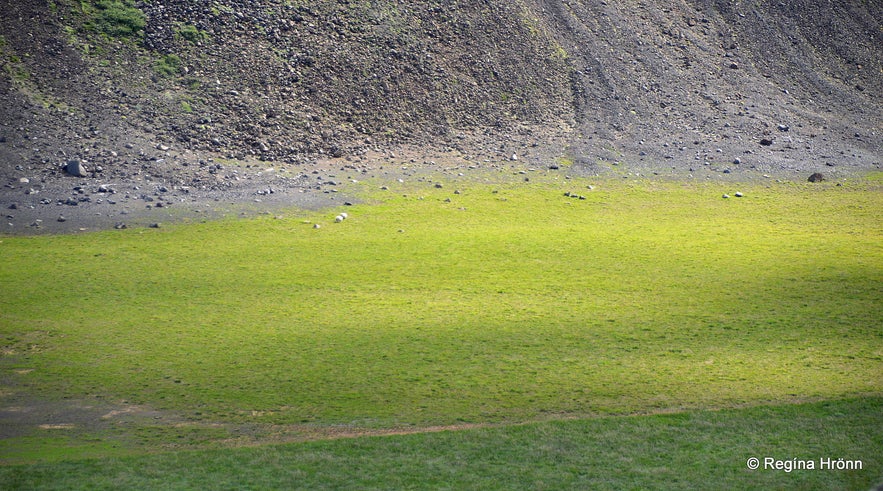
(697, 450)
(505, 303)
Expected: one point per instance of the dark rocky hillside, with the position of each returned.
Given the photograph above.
(170, 90)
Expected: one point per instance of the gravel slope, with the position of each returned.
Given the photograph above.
(183, 117)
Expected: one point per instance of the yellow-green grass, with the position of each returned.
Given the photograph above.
(508, 303)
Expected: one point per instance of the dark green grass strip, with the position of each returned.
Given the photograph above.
(694, 450)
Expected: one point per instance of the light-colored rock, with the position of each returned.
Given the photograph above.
(75, 168)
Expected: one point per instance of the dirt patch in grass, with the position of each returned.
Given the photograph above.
(39, 425)
(20, 416)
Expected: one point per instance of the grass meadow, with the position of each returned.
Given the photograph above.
(652, 334)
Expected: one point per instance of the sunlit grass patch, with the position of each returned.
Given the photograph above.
(505, 302)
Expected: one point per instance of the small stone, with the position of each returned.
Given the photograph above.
(514, 157)
(61, 218)
(766, 142)
(120, 226)
(726, 196)
(24, 180)
(317, 225)
(154, 225)
(783, 127)
(816, 177)
(438, 185)
(738, 194)
(737, 161)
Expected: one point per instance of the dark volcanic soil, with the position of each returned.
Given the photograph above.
(184, 116)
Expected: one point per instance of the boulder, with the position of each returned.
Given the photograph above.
(816, 177)
(75, 168)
